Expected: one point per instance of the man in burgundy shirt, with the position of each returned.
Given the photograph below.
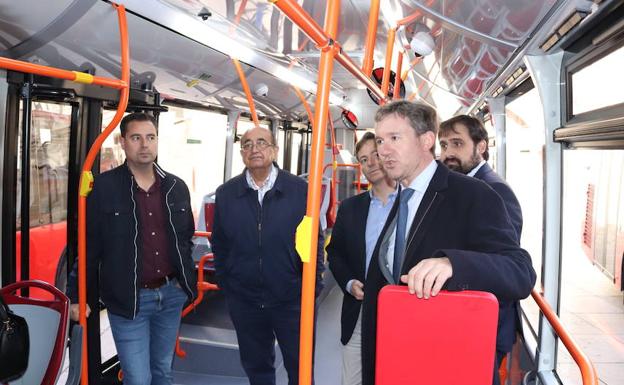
(139, 229)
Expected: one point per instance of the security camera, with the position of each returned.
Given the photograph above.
(262, 90)
(204, 13)
(422, 43)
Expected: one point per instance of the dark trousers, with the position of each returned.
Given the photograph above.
(256, 329)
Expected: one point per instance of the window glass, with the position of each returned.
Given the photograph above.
(599, 85)
(525, 150)
(49, 160)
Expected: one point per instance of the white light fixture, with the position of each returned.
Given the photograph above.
(422, 43)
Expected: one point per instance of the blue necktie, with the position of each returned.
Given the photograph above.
(399, 241)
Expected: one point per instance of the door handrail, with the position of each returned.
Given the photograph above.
(588, 371)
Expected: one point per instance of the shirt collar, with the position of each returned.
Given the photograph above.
(421, 182)
(268, 182)
(390, 196)
(474, 170)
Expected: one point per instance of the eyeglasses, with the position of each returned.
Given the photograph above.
(260, 144)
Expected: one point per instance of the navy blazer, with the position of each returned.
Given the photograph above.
(254, 246)
(486, 174)
(460, 218)
(346, 253)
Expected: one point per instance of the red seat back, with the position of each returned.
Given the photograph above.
(447, 339)
(59, 303)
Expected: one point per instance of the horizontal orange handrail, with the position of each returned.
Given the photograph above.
(202, 286)
(588, 372)
(75, 76)
(206, 234)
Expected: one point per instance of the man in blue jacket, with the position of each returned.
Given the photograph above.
(358, 224)
(139, 230)
(257, 266)
(464, 144)
(464, 148)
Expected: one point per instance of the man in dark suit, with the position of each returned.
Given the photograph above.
(459, 236)
(464, 144)
(358, 224)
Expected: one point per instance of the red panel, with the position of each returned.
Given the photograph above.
(46, 245)
(209, 209)
(449, 339)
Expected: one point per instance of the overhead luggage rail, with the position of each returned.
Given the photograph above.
(588, 371)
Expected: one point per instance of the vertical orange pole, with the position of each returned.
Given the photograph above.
(385, 82)
(397, 78)
(85, 188)
(371, 36)
(250, 101)
(319, 128)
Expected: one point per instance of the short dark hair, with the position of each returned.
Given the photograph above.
(135, 117)
(421, 117)
(476, 131)
(365, 138)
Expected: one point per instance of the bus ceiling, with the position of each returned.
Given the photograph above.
(476, 48)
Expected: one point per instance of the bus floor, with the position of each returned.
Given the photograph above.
(592, 309)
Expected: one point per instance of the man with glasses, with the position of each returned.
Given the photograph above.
(358, 225)
(257, 266)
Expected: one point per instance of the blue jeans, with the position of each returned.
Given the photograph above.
(145, 344)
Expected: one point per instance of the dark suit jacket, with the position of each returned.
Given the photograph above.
(512, 205)
(509, 319)
(463, 219)
(346, 253)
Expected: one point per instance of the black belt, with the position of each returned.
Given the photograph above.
(155, 284)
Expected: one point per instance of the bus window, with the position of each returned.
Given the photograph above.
(192, 146)
(604, 75)
(49, 159)
(525, 148)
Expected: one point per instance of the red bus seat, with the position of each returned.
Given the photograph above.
(48, 323)
(446, 340)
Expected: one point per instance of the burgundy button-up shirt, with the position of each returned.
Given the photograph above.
(154, 249)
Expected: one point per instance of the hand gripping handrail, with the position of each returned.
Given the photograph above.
(588, 372)
(86, 178)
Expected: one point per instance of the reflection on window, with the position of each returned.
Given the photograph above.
(599, 85)
(49, 158)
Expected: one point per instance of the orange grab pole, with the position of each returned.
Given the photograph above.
(75, 76)
(588, 372)
(201, 288)
(321, 112)
(385, 81)
(371, 36)
(408, 19)
(397, 78)
(86, 182)
(334, 151)
(310, 27)
(252, 105)
(305, 104)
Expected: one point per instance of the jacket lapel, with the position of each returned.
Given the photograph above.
(427, 210)
(360, 216)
